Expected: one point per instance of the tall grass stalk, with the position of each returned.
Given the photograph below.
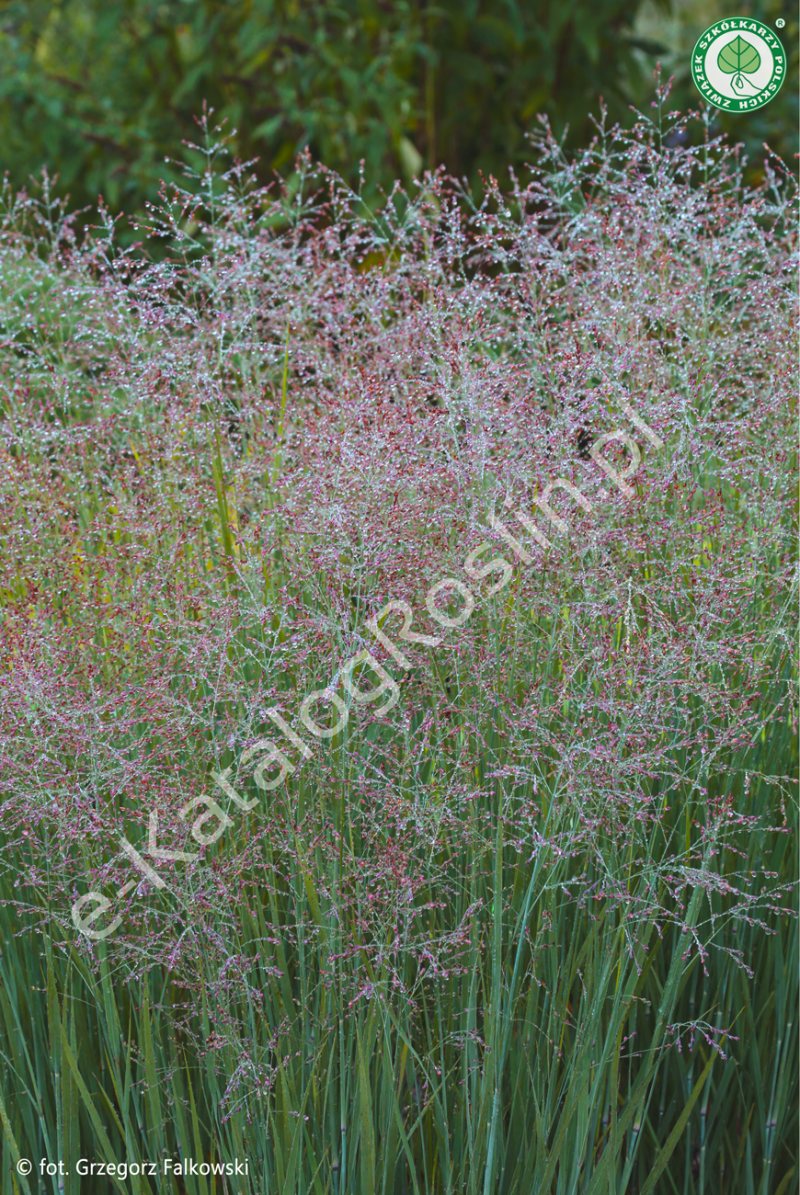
(532, 928)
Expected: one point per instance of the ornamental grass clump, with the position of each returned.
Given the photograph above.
(441, 824)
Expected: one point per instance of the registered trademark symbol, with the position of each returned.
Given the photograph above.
(780, 22)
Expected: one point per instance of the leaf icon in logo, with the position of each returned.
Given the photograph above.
(739, 57)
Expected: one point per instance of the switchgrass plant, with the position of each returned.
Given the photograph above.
(531, 927)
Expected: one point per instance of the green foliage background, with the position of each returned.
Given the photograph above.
(101, 91)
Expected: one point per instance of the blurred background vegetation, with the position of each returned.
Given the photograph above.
(101, 91)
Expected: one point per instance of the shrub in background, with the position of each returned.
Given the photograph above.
(101, 92)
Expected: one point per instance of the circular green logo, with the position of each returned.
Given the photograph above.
(738, 64)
